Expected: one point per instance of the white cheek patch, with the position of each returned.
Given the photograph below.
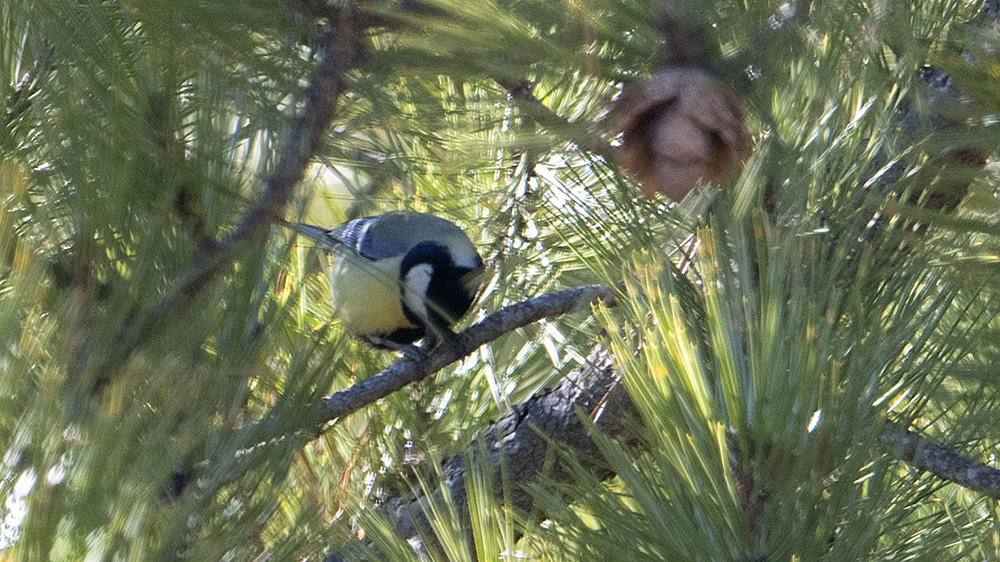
(415, 285)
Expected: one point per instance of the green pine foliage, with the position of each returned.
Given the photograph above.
(764, 348)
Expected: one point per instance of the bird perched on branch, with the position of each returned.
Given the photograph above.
(400, 277)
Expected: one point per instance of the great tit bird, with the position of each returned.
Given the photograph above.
(400, 277)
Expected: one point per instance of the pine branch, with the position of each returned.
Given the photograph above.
(941, 460)
(340, 52)
(522, 441)
(406, 371)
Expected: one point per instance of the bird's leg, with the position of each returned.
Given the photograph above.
(407, 350)
(429, 342)
(438, 336)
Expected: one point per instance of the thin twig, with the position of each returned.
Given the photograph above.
(20, 97)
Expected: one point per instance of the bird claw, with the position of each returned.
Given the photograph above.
(436, 339)
(407, 350)
(412, 352)
(431, 341)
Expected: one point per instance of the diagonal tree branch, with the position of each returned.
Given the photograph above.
(340, 51)
(941, 460)
(406, 371)
(522, 442)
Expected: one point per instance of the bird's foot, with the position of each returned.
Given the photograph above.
(409, 351)
(439, 338)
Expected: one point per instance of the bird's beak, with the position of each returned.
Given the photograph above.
(475, 280)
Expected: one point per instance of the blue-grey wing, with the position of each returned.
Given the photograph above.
(389, 235)
(365, 238)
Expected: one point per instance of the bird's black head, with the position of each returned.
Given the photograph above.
(431, 286)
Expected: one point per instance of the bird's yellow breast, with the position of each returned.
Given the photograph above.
(366, 294)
